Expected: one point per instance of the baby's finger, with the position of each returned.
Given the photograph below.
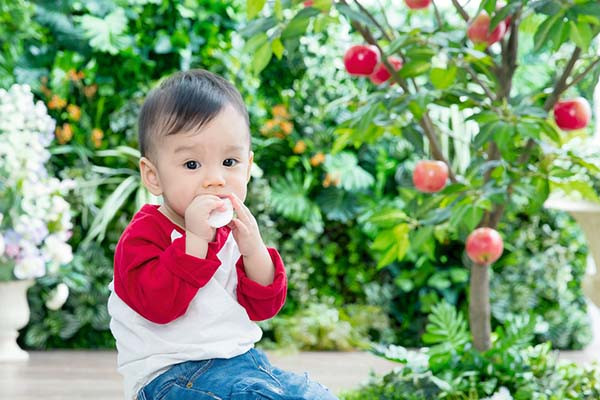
(239, 207)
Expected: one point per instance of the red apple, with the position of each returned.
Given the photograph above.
(479, 30)
(309, 3)
(361, 59)
(430, 176)
(417, 4)
(381, 73)
(484, 246)
(572, 114)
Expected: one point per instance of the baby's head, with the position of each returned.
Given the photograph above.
(185, 102)
(194, 139)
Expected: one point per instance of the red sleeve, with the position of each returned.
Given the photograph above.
(157, 278)
(262, 302)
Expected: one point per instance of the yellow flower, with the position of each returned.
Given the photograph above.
(97, 136)
(300, 147)
(56, 103)
(317, 159)
(74, 112)
(280, 111)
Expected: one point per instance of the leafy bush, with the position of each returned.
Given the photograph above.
(452, 369)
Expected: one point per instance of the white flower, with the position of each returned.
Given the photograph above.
(58, 251)
(30, 267)
(501, 394)
(58, 296)
(41, 220)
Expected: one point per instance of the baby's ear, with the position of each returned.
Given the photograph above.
(250, 161)
(149, 175)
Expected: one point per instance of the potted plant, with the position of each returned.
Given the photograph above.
(35, 220)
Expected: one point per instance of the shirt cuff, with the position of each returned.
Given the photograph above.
(254, 289)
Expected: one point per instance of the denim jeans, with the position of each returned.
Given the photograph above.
(249, 376)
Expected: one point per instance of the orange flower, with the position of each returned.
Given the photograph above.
(97, 136)
(74, 112)
(317, 159)
(268, 127)
(286, 127)
(74, 75)
(300, 147)
(331, 179)
(56, 103)
(280, 111)
(90, 91)
(64, 134)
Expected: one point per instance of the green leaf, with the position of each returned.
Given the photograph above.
(111, 207)
(581, 34)
(414, 68)
(585, 189)
(106, 34)
(278, 48)
(254, 7)
(443, 78)
(255, 42)
(289, 197)
(345, 166)
(541, 35)
(439, 281)
(297, 26)
(590, 8)
(262, 57)
(352, 15)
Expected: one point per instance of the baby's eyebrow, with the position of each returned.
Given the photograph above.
(231, 147)
(234, 147)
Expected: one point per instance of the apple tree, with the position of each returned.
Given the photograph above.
(421, 55)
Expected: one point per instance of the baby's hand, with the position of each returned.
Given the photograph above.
(245, 229)
(197, 213)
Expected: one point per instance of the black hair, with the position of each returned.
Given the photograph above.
(184, 101)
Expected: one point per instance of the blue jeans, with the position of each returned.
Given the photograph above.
(249, 376)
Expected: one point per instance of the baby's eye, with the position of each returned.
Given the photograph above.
(229, 162)
(192, 165)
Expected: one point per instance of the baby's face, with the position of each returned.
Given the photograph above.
(214, 160)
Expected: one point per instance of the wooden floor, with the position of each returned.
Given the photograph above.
(92, 375)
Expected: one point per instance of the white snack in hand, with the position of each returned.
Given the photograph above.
(218, 218)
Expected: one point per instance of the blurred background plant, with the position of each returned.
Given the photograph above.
(331, 172)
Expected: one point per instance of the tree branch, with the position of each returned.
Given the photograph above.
(582, 75)
(425, 122)
(561, 83)
(438, 17)
(372, 18)
(460, 10)
(485, 88)
(559, 88)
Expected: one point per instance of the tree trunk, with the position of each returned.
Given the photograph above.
(479, 307)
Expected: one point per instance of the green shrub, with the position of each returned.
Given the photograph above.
(452, 369)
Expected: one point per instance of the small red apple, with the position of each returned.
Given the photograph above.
(479, 30)
(361, 59)
(417, 4)
(484, 246)
(572, 114)
(430, 176)
(381, 73)
(309, 3)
